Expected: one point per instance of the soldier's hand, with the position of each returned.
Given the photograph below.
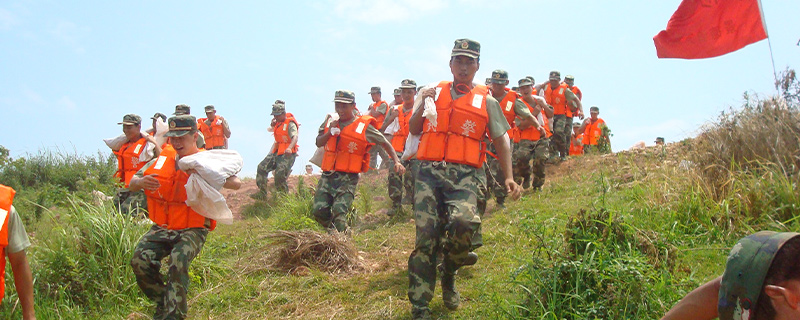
(150, 182)
(334, 131)
(399, 168)
(512, 188)
(542, 132)
(430, 92)
(288, 150)
(580, 115)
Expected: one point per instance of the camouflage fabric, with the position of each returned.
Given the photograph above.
(446, 218)
(283, 167)
(562, 131)
(182, 246)
(262, 172)
(528, 151)
(130, 203)
(494, 177)
(745, 272)
(333, 199)
(396, 184)
(373, 160)
(484, 193)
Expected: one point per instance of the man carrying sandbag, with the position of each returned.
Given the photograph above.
(133, 149)
(178, 231)
(282, 154)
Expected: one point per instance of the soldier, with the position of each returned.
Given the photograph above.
(183, 109)
(565, 104)
(576, 145)
(760, 281)
(570, 81)
(13, 242)
(215, 129)
(347, 142)
(513, 106)
(377, 110)
(155, 117)
(178, 231)
(131, 156)
(398, 182)
(534, 140)
(659, 140)
(398, 98)
(451, 156)
(594, 135)
(282, 153)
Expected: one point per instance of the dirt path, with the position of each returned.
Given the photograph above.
(238, 199)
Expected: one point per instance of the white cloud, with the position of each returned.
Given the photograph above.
(69, 33)
(66, 103)
(7, 19)
(379, 11)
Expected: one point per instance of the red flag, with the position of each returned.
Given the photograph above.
(709, 28)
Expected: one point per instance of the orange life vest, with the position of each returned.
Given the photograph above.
(128, 160)
(558, 99)
(281, 133)
(213, 134)
(576, 147)
(348, 152)
(167, 204)
(461, 126)
(507, 105)
(379, 119)
(532, 133)
(593, 131)
(577, 92)
(6, 198)
(399, 138)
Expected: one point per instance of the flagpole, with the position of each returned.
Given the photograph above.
(769, 43)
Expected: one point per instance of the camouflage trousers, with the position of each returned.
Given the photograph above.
(262, 172)
(495, 179)
(528, 151)
(333, 199)
(484, 193)
(182, 246)
(396, 183)
(446, 217)
(282, 165)
(373, 157)
(130, 203)
(562, 132)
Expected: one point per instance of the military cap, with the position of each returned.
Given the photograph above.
(408, 84)
(576, 124)
(131, 119)
(524, 82)
(530, 78)
(499, 76)
(279, 107)
(659, 139)
(210, 107)
(514, 88)
(159, 115)
(182, 109)
(466, 47)
(594, 108)
(555, 75)
(569, 77)
(375, 90)
(181, 125)
(745, 272)
(397, 91)
(344, 96)
(488, 81)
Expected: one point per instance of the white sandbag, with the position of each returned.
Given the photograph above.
(213, 167)
(117, 142)
(412, 144)
(428, 103)
(316, 159)
(161, 129)
(392, 127)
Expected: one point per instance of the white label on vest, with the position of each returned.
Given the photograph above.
(477, 101)
(284, 126)
(438, 90)
(160, 162)
(360, 128)
(138, 147)
(3, 214)
(509, 105)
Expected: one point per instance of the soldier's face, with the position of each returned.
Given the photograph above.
(408, 94)
(280, 117)
(211, 114)
(526, 90)
(498, 87)
(185, 145)
(594, 114)
(570, 83)
(398, 98)
(345, 110)
(376, 96)
(131, 131)
(464, 68)
(555, 83)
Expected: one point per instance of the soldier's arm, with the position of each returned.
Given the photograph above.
(390, 116)
(415, 123)
(233, 182)
(293, 135)
(23, 282)
(699, 304)
(576, 104)
(374, 136)
(226, 130)
(526, 118)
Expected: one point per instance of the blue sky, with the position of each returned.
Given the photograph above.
(69, 70)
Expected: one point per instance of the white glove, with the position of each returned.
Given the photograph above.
(219, 122)
(335, 131)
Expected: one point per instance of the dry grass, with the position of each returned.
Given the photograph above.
(298, 251)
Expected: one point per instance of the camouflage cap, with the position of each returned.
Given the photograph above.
(659, 139)
(159, 115)
(499, 76)
(182, 109)
(279, 107)
(181, 125)
(374, 90)
(745, 271)
(514, 88)
(408, 84)
(210, 107)
(555, 75)
(524, 82)
(466, 47)
(594, 108)
(488, 81)
(131, 119)
(530, 78)
(569, 78)
(344, 96)
(397, 91)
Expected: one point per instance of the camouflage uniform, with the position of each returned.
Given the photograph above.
(398, 182)
(130, 203)
(283, 167)
(333, 199)
(562, 125)
(182, 246)
(262, 173)
(383, 108)
(525, 151)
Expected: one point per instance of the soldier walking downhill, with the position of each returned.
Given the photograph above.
(397, 182)
(282, 153)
